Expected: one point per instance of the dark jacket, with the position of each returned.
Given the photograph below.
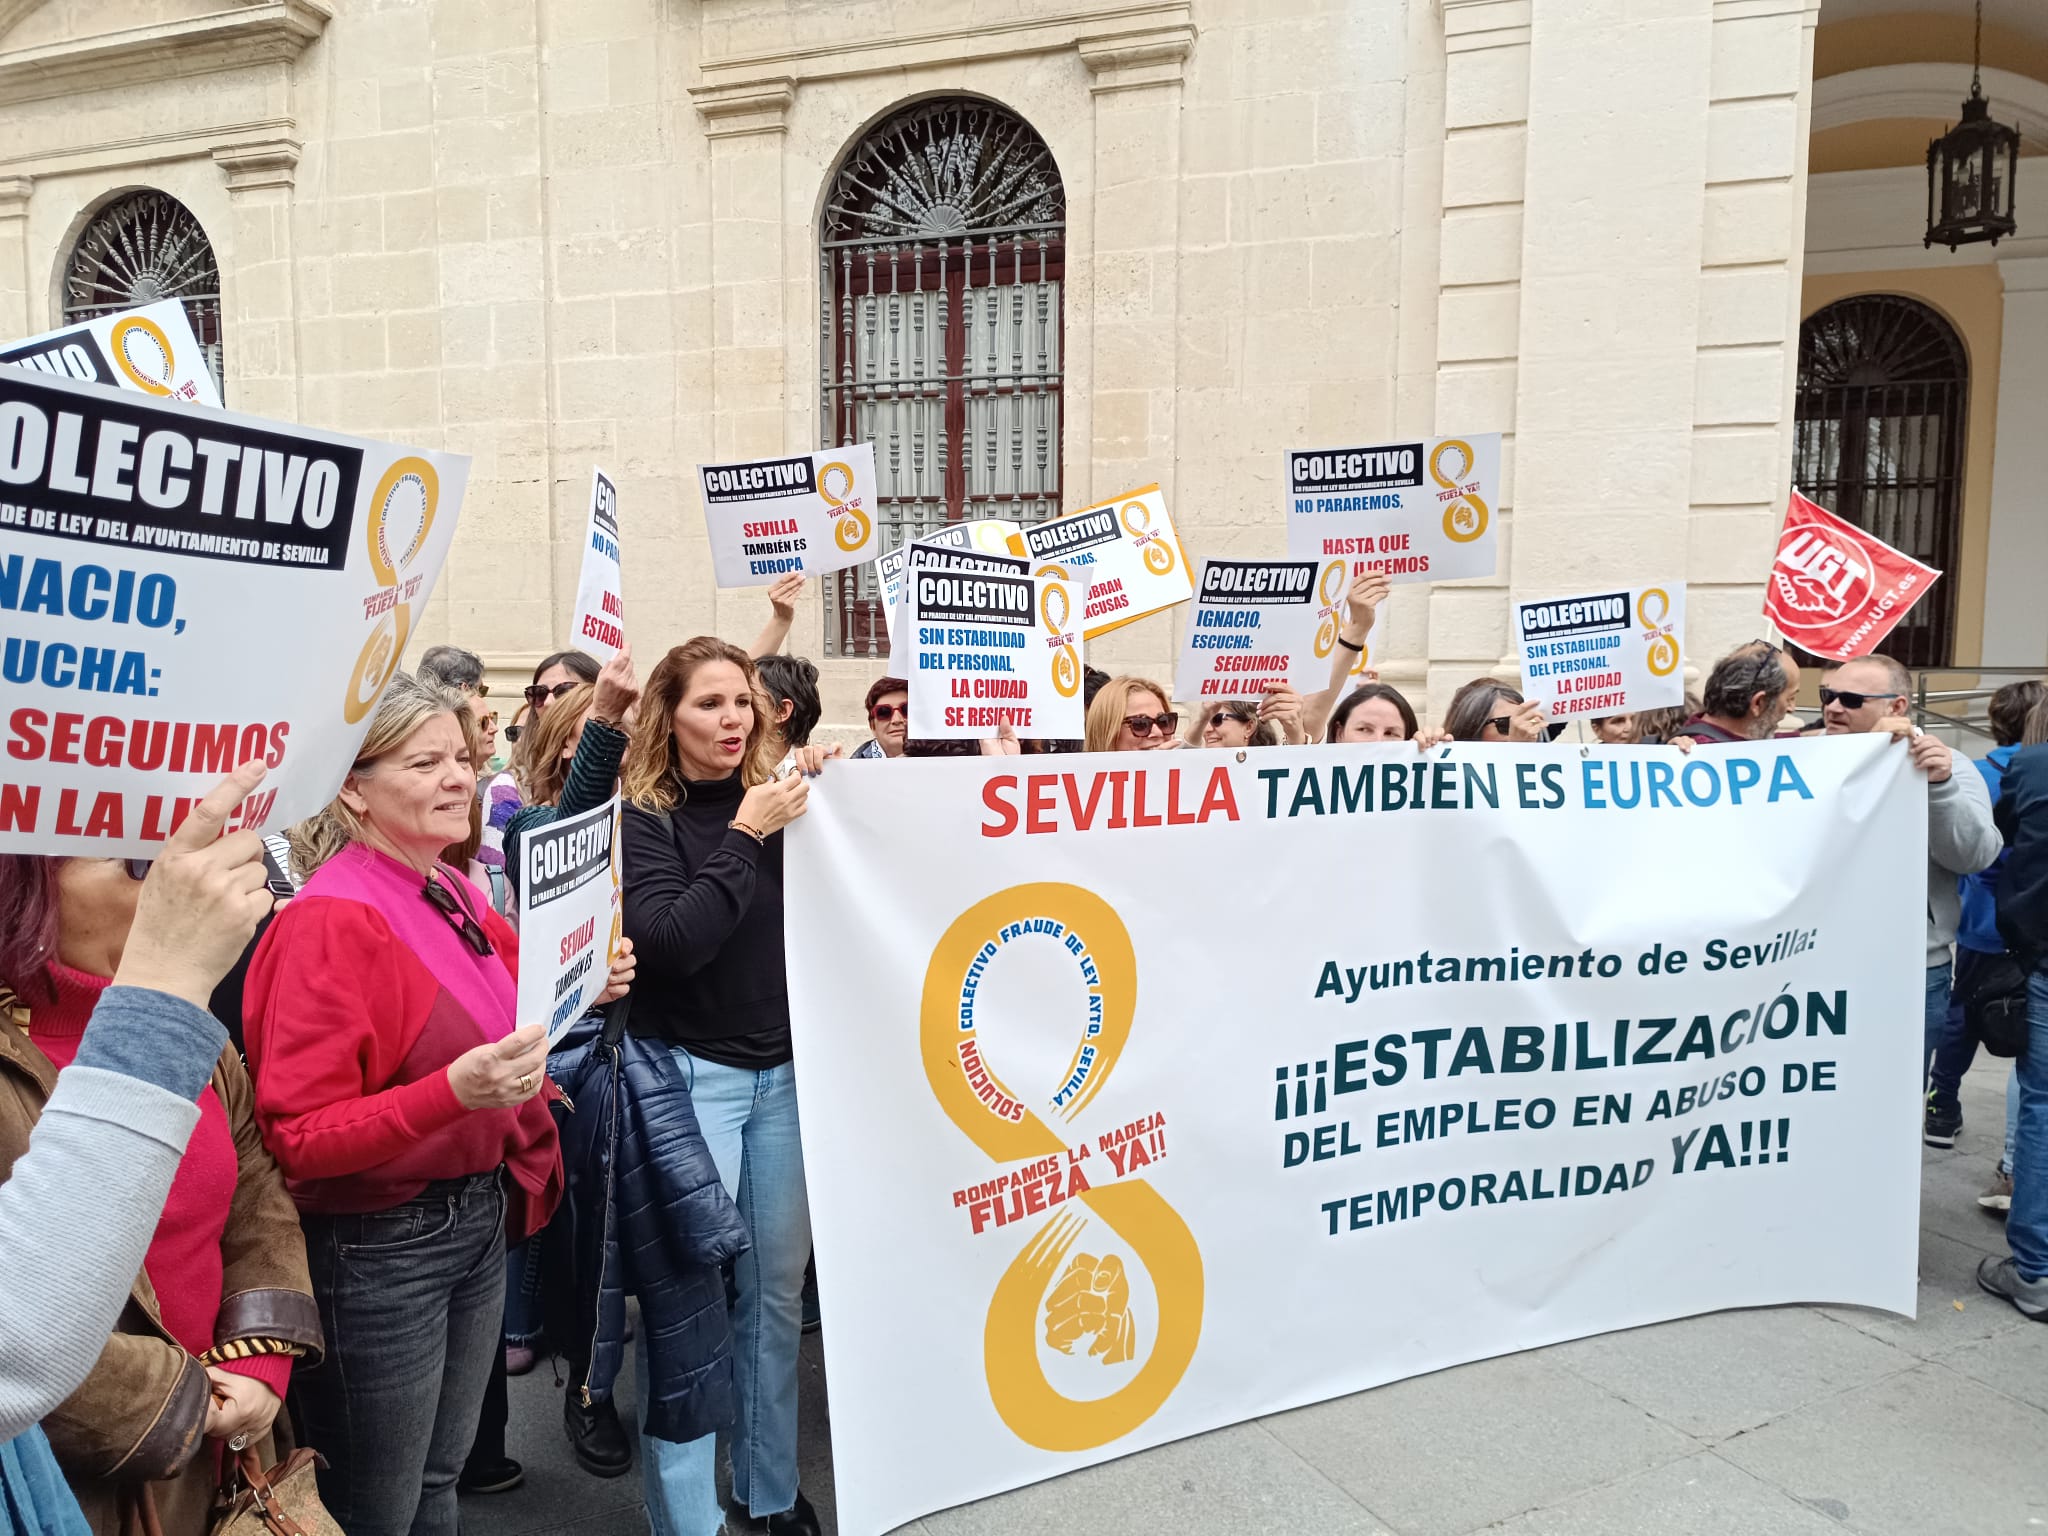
(2022, 815)
(645, 1212)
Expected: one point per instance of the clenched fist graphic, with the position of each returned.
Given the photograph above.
(1093, 1297)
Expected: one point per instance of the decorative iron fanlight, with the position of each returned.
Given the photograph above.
(1970, 170)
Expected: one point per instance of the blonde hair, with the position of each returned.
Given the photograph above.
(1112, 703)
(460, 854)
(652, 777)
(2036, 730)
(539, 769)
(407, 705)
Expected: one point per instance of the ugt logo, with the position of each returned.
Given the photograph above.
(1816, 576)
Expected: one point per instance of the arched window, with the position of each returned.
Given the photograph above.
(942, 256)
(1883, 389)
(139, 249)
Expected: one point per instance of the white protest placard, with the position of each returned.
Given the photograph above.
(990, 648)
(1259, 624)
(808, 512)
(1604, 653)
(954, 555)
(568, 915)
(1127, 551)
(181, 591)
(990, 535)
(598, 625)
(150, 350)
(1474, 1117)
(1417, 511)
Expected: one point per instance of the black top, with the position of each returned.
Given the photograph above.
(2022, 816)
(703, 907)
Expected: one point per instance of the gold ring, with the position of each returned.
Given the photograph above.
(525, 1083)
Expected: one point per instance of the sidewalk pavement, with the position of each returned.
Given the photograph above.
(1787, 1421)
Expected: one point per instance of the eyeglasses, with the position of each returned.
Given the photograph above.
(1501, 723)
(539, 693)
(512, 732)
(446, 902)
(887, 712)
(1224, 717)
(1852, 701)
(475, 690)
(1145, 725)
(137, 869)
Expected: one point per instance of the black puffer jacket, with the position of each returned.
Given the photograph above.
(645, 1212)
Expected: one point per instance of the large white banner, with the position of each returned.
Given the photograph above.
(1183, 1088)
(181, 591)
(150, 350)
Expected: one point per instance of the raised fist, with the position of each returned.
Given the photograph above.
(1093, 1297)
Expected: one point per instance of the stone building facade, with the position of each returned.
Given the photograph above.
(549, 233)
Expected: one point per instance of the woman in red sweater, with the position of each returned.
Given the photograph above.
(205, 1348)
(407, 1113)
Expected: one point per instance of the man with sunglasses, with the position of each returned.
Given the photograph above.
(888, 707)
(1868, 694)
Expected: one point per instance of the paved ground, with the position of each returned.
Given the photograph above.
(1805, 1421)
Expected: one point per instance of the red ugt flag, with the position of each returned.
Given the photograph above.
(1835, 589)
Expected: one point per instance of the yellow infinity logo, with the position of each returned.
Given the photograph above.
(410, 485)
(1330, 587)
(1465, 517)
(1158, 558)
(850, 525)
(1089, 1293)
(1066, 665)
(143, 352)
(1661, 656)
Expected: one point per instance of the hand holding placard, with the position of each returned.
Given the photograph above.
(617, 688)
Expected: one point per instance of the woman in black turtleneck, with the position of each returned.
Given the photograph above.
(701, 839)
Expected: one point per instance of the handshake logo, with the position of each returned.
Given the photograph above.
(1093, 1298)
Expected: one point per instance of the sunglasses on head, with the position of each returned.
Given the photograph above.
(445, 901)
(1852, 701)
(887, 712)
(1145, 725)
(539, 693)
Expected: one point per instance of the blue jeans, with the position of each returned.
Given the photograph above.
(750, 1124)
(1950, 1047)
(2012, 1119)
(411, 1301)
(523, 1311)
(2026, 1228)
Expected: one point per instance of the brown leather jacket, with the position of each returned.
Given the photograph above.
(141, 1413)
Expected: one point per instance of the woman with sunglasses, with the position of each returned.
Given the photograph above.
(555, 676)
(405, 1110)
(1485, 710)
(701, 840)
(223, 1309)
(1130, 714)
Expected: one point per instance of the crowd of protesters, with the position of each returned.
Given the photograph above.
(281, 1168)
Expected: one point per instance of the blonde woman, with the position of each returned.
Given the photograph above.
(1131, 714)
(701, 839)
(406, 1112)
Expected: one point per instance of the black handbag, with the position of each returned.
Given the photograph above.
(1995, 1005)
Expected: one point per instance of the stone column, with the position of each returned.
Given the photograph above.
(258, 320)
(747, 126)
(18, 316)
(1134, 259)
(1479, 266)
(2015, 618)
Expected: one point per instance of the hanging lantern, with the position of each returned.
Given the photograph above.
(1970, 170)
